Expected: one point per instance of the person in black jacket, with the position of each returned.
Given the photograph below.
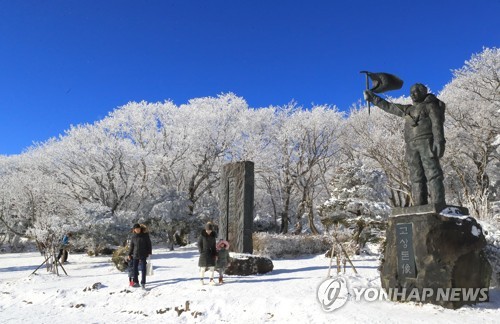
(208, 252)
(140, 249)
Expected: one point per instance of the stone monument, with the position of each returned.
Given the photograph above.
(236, 210)
(430, 256)
(435, 258)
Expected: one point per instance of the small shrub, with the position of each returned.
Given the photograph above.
(120, 258)
(278, 246)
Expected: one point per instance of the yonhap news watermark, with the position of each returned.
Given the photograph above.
(333, 293)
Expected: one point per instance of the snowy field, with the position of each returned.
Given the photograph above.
(286, 295)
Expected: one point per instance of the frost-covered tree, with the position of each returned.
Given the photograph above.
(377, 139)
(99, 226)
(210, 128)
(317, 147)
(150, 128)
(170, 220)
(95, 166)
(14, 217)
(472, 131)
(31, 201)
(294, 149)
(277, 172)
(357, 202)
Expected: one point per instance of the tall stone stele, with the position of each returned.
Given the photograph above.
(236, 209)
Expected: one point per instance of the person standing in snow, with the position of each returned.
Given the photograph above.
(130, 263)
(140, 250)
(222, 258)
(63, 249)
(208, 252)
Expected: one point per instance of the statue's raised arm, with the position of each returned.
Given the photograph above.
(392, 108)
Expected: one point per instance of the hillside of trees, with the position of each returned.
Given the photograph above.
(159, 164)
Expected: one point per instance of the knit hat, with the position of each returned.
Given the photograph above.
(136, 226)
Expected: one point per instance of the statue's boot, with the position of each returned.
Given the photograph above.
(419, 193)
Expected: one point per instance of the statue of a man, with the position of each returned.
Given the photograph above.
(425, 143)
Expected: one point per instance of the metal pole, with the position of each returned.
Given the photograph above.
(368, 87)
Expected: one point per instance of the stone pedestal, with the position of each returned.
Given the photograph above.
(435, 259)
(247, 264)
(236, 209)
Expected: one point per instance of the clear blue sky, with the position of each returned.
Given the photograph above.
(66, 62)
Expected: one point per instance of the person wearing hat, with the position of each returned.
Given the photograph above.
(140, 249)
(208, 252)
(222, 258)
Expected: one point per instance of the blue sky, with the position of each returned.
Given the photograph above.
(66, 62)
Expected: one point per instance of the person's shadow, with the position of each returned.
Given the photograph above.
(170, 281)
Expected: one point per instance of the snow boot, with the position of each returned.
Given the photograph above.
(221, 281)
(212, 282)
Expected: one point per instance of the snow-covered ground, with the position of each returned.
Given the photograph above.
(286, 295)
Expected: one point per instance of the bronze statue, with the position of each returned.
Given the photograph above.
(425, 143)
